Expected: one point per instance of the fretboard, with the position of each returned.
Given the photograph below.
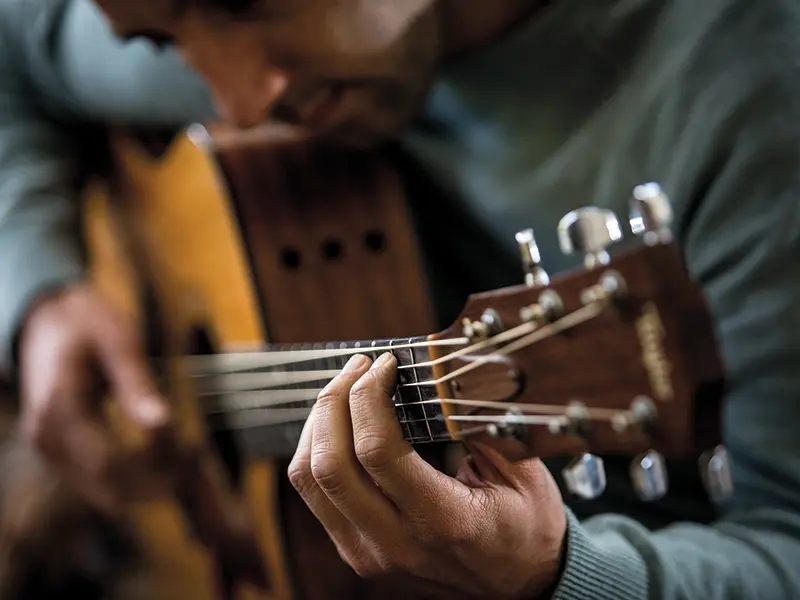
(265, 408)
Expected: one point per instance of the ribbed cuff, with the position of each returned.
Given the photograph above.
(600, 569)
(28, 269)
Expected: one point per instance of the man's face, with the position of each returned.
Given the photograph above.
(356, 69)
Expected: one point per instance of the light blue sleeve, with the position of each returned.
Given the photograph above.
(61, 73)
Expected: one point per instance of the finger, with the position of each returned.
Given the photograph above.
(58, 421)
(340, 530)
(333, 459)
(409, 481)
(133, 383)
(496, 469)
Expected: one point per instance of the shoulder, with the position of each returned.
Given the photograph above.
(722, 124)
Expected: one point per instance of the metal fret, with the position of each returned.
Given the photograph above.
(400, 409)
(419, 422)
(434, 417)
(419, 392)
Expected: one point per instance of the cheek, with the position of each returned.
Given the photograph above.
(243, 85)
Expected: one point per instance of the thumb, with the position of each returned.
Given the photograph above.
(494, 468)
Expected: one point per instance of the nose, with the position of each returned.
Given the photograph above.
(248, 103)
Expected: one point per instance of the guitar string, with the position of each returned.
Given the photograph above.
(275, 416)
(553, 414)
(256, 360)
(580, 316)
(232, 362)
(271, 379)
(569, 321)
(552, 409)
(245, 361)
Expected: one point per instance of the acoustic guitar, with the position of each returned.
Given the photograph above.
(241, 272)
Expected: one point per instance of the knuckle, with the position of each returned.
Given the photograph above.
(412, 562)
(326, 469)
(372, 452)
(329, 394)
(299, 473)
(366, 566)
(365, 386)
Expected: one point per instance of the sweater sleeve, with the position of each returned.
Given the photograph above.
(736, 173)
(62, 73)
(40, 244)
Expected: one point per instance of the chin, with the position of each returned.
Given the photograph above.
(355, 138)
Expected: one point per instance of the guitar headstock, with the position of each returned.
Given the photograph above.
(618, 357)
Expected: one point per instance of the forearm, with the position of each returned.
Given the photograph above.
(40, 245)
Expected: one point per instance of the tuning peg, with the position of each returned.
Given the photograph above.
(715, 472)
(535, 275)
(649, 476)
(585, 476)
(651, 214)
(589, 231)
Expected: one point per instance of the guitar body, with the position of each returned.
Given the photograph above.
(226, 241)
(234, 240)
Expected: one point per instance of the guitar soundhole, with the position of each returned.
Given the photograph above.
(375, 241)
(291, 258)
(332, 250)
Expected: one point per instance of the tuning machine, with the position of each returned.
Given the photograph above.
(716, 474)
(589, 231)
(490, 324)
(535, 275)
(651, 214)
(510, 428)
(585, 476)
(648, 473)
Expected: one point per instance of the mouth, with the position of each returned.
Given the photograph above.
(320, 111)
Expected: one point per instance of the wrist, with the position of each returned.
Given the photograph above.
(549, 559)
(40, 302)
(556, 572)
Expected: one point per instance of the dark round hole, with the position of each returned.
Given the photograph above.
(332, 249)
(290, 258)
(375, 241)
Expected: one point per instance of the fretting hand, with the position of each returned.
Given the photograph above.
(495, 531)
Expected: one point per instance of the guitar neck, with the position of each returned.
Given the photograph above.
(263, 399)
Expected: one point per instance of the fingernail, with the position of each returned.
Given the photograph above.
(151, 410)
(383, 359)
(356, 362)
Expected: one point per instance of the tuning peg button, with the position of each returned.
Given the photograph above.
(716, 474)
(535, 275)
(585, 476)
(589, 231)
(649, 476)
(651, 214)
